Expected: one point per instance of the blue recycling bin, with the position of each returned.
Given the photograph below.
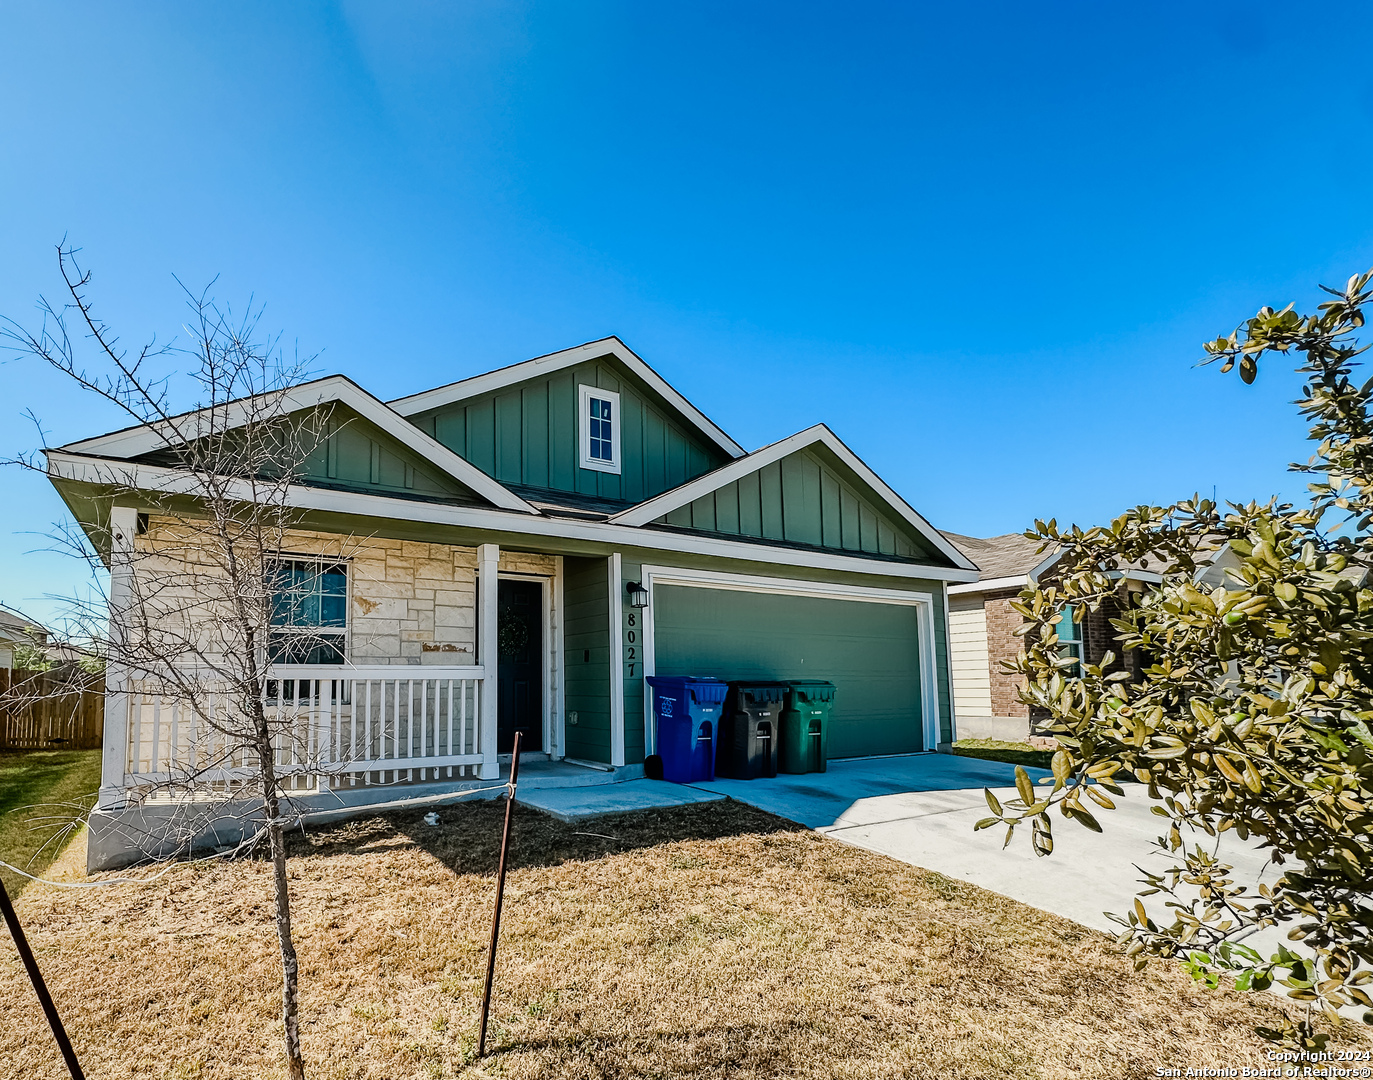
(687, 715)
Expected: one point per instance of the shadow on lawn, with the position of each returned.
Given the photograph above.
(468, 837)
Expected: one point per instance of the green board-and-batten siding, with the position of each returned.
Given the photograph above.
(527, 434)
(586, 665)
(351, 453)
(803, 499)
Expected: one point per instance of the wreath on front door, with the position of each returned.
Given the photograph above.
(513, 635)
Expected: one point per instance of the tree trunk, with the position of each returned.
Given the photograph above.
(290, 965)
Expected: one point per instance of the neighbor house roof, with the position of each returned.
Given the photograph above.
(1013, 560)
(16, 626)
(1010, 555)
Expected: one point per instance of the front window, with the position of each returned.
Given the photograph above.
(309, 612)
(599, 429)
(1072, 636)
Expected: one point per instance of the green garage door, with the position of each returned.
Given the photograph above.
(868, 650)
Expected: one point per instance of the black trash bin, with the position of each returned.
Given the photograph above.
(748, 732)
(804, 726)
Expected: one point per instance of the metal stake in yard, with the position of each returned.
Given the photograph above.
(500, 893)
(41, 988)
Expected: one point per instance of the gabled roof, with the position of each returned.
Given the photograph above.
(541, 365)
(16, 626)
(1013, 560)
(1009, 555)
(146, 438)
(819, 434)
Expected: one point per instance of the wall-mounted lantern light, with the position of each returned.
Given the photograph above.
(638, 595)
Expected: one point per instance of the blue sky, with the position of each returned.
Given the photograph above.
(982, 242)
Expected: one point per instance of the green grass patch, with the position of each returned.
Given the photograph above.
(44, 795)
(1015, 753)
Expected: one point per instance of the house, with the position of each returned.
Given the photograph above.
(983, 635)
(625, 534)
(18, 631)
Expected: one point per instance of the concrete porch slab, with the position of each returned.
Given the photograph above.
(571, 804)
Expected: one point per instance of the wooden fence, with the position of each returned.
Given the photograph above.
(51, 711)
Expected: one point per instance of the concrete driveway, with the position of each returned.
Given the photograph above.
(921, 809)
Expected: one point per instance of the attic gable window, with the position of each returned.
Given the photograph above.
(598, 429)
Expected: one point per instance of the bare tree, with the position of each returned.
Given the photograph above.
(200, 601)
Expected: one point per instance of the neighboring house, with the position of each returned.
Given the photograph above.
(983, 634)
(17, 630)
(582, 484)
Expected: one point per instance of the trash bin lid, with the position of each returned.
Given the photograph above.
(705, 690)
(708, 691)
(813, 689)
(761, 691)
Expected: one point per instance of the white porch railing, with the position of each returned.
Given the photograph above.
(331, 726)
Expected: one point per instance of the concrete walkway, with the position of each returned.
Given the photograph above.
(921, 809)
(572, 804)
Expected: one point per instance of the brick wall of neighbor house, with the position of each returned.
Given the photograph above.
(1003, 643)
(411, 602)
(1101, 635)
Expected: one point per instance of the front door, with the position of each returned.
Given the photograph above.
(519, 680)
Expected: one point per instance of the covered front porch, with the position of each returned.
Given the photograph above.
(438, 672)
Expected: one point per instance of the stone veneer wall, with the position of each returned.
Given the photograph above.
(410, 602)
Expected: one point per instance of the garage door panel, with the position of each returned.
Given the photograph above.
(868, 650)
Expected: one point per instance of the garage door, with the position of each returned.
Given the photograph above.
(868, 650)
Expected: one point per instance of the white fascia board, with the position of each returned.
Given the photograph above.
(1044, 564)
(508, 376)
(1015, 581)
(1019, 581)
(134, 476)
(668, 501)
(1147, 576)
(656, 507)
(336, 388)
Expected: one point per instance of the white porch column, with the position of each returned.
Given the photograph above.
(617, 664)
(115, 747)
(488, 559)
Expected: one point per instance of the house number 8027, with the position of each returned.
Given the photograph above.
(632, 661)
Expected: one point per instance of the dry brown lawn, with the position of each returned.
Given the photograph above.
(707, 941)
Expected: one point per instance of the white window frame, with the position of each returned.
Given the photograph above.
(346, 634)
(586, 393)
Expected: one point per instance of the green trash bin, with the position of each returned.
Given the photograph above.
(805, 724)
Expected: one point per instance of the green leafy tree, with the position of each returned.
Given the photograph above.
(1254, 707)
(31, 658)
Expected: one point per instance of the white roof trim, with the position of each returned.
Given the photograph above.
(1015, 581)
(146, 438)
(1019, 581)
(507, 376)
(136, 476)
(659, 505)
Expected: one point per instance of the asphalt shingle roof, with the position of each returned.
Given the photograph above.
(1000, 556)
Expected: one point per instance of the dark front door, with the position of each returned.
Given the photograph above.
(519, 683)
